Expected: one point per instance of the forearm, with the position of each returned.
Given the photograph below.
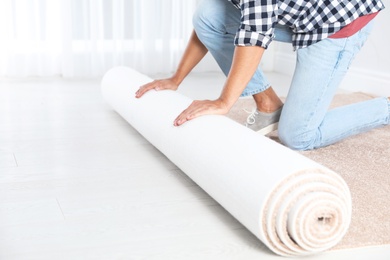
(194, 53)
(245, 62)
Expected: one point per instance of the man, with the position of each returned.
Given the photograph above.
(326, 36)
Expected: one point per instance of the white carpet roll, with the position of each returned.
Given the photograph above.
(292, 204)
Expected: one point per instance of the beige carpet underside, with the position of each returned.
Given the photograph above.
(364, 163)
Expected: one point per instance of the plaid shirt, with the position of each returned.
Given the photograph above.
(309, 20)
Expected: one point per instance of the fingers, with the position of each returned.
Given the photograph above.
(184, 117)
(145, 88)
(196, 109)
(161, 84)
(191, 112)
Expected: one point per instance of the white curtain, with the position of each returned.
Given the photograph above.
(85, 38)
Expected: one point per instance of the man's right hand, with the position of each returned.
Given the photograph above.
(160, 84)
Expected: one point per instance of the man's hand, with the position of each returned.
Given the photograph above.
(160, 84)
(200, 108)
(245, 62)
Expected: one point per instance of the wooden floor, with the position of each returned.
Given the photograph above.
(78, 182)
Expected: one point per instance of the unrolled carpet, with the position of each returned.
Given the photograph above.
(364, 163)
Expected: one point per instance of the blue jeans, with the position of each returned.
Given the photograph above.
(306, 121)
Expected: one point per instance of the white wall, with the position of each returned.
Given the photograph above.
(370, 71)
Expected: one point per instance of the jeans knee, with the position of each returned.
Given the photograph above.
(297, 140)
(197, 23)
(206, 16)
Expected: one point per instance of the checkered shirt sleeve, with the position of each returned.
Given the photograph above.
(258, 18)
(309, 20)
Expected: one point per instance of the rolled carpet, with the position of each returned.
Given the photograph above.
(294, 205)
